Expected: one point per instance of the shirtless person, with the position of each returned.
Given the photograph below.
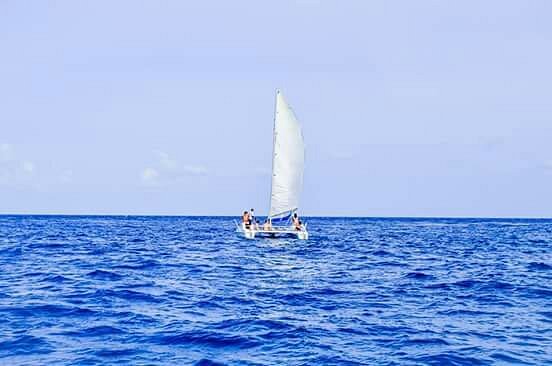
(296, 222)
(246, 219)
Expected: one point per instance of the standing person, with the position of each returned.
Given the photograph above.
(253, 221)
(245, 219)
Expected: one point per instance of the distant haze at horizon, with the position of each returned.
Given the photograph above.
(426, 109)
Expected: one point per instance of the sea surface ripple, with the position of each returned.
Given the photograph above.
(87, 290)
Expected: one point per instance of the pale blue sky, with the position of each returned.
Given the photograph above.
(409, 108)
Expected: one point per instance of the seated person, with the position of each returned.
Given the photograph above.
(267, 226)
(296, 222)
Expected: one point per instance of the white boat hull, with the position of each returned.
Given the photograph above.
(280, 231)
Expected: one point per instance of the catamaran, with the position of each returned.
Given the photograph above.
(288, 158)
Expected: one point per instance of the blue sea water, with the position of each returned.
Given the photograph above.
(86, 290)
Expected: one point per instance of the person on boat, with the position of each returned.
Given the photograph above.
(267, 226)
(252, 217)
(246, 220)
(296, 222)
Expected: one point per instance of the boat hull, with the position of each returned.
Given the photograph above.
(276, 232)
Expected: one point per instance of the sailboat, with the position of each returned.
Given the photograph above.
(288, 158)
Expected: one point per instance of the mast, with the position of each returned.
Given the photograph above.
(273, 149)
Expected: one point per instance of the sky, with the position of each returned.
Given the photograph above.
(425, 108)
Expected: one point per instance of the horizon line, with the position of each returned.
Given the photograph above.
(307, 216)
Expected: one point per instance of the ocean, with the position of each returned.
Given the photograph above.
(96, 290)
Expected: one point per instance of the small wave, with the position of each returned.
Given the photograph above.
(47, 245)
(390, 330)
(498, 285)
(56, 278)
(175, 293)
(334, 360)
(209, 304)
(380, 253)
(208, 338)
(104, 275)
(539, 266)
(419, 276)
(456, 312)
(262, 329)
(48, 311)
(539, 292)
(137, 240)
(10, 252)
(127, 295)
(427, 341)
(466, 283)
(208, 362)
(148, 264)
(98, 331)
(222, 301)
(438, 286)
(297, 298)
(450, 359)
(253, 325)
(537, 240)
(509, 359)
(24, 345)
(391, 264)
(329, 291)
(352, 331)
(133, 318)
(117, 353)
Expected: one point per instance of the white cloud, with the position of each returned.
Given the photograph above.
(28, 166)
(491, 144)
(15, 171)
(166, 170)
(194, 170)
(150, 176)
(165, 160)
(66, 176)
(6, 152)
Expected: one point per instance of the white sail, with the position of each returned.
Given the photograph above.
(287, 161)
